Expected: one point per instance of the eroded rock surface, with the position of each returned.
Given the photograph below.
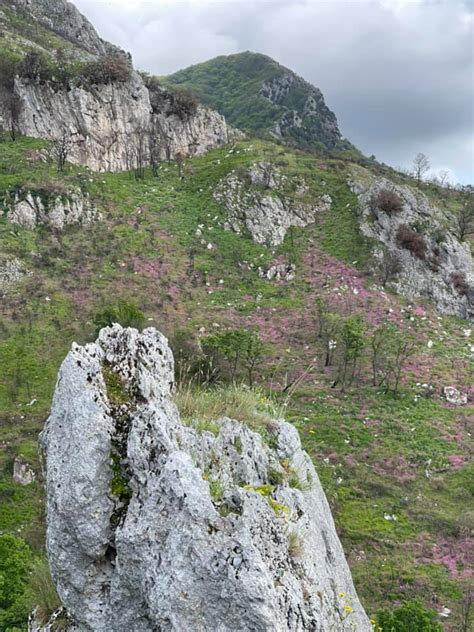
(109, 125)
(11, 272)
(445, 271)
(260, 204)
(30, 209)
(156, 525)
(22, 472)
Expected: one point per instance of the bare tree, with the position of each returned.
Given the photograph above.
(421, 164)
(61, 148)
(443, 178)
(155, 154)
(388, 266)
(179, 157)
(14, 106)
(464, 220)
(140, 153)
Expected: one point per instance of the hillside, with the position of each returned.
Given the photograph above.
(291, 284)
(258, 95)
(395, 467)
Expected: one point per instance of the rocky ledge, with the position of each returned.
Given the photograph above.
(50, 208)
(415, 244)
(259, 202)
(154, 524)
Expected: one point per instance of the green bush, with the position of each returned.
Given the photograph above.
(413, 616)
(124, 313)
(16, 561)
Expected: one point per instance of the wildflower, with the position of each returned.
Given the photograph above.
(429, 344)
(348, 609)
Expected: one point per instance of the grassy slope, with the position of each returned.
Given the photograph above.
(376, 454)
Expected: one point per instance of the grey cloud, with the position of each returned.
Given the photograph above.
(398, 73)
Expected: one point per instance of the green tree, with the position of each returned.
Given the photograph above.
(412, 616)
(350, 345)
(238, 347)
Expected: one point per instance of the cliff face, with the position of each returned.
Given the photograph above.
(109, 124)
(154, 524)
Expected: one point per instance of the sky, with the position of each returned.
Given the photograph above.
(399, 74)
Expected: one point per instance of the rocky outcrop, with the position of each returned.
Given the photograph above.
(154, 524)
(442, 268)
(278, 272)
(265, 208)
(109, 126)
(307, 120)
(11, 272)
(33, 208)
(62, 17)
(23, 474)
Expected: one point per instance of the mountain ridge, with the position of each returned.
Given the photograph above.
(257, 94)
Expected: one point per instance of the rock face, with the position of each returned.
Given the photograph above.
(264, 208)
(156, 525)
(108, 125)
(444, 269)
(312, 120)
(63, 18)
(30, 209)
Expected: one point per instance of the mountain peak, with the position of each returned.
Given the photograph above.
(259, 95)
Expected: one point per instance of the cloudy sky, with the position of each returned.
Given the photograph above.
(399, 74)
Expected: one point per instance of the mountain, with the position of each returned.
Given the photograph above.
(258, 95)
(58, 79)
(313, 286)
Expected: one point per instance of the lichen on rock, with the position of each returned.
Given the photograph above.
(212, 536)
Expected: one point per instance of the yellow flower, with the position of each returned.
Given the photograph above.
(341, 594)
(348, 609)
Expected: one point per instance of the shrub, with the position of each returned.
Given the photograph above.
(107, 69)
(123, 313)
(15, 563)
(460, 284)
(412, 241)
(412, 616)
(184, 104)
(387, 201)
(34, 66)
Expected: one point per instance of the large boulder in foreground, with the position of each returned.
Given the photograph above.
(158, 525)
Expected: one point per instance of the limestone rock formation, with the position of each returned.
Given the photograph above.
(312, 118)
(30, 209)
(265, 209)
(22, 472)
(108, 125)
(62, 17)
(443, 271)
(11, 271)
(158, 525)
